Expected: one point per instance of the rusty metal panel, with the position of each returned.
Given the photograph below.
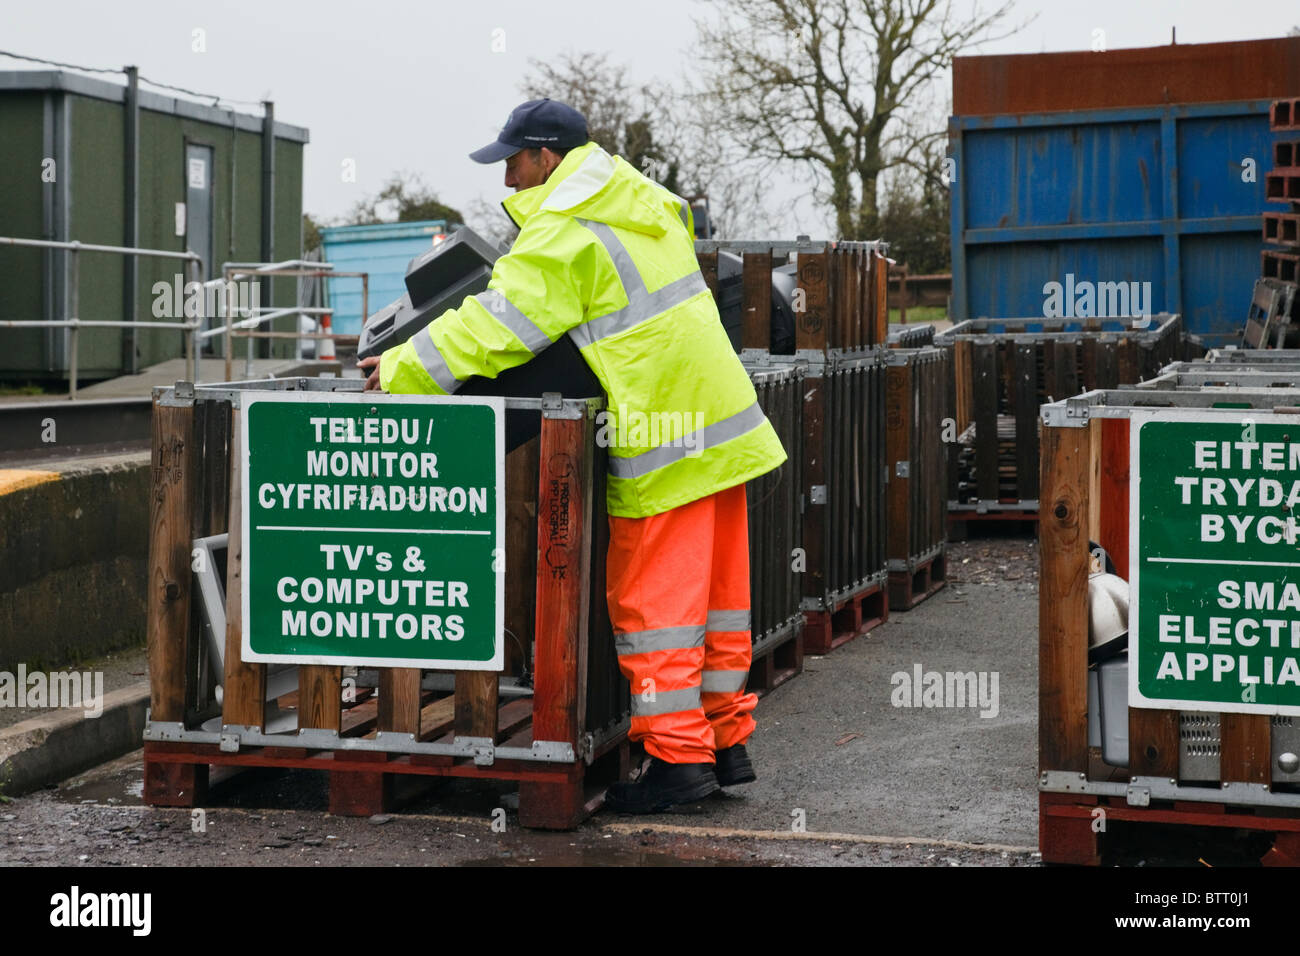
(1146, 76)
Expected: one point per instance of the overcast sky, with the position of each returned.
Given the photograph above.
(415, 86)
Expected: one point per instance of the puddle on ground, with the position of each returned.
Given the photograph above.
(120, 784)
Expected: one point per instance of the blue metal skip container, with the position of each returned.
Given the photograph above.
(1169, 195)
(383, 251)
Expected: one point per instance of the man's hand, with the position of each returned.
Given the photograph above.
(368, 364)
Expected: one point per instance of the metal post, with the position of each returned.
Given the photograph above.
(189, 337)
(74, 309)
(131, 220)
(230, 342)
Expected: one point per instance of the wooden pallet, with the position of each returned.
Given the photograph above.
(196, 492)
(907, 589)
(776, 662)
(960, 522)
(364, 783)
(1066, 824)
(823, 631)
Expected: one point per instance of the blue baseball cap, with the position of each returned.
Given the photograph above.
(533, 125)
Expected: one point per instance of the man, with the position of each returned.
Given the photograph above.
(607, 257)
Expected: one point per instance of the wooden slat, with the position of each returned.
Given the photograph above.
(962, 384)
(244, 686)
(984, 368)
(1089, 358)
(174, 474)
(898, 425)
(756, 307)
(320, 696)
(437, 718)
(521, 550)
(812, 324)
(1153, 742)
(1094, 478)
(709, 269)
(1112, 532)
(1051, 385)
(1025, 396)
(814, 473)
(399, 699)
(1128, 362)
(216, 454)
(1107, 365)
(1063, 601)
(1246, 752)
(1067, 374)
(880, 332)
(476, 703)
(514, 716)
(563, 585)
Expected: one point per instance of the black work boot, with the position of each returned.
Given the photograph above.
(662, 786)
(733, 766)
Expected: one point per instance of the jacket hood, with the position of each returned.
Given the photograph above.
(591, 184)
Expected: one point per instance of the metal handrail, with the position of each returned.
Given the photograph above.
(75, 323)
(230, 270)
(247, 328)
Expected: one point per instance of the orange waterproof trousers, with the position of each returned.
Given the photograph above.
(678, 590)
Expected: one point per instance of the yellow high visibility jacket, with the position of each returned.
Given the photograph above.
(607, 256)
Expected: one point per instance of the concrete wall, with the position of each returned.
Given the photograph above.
(75, 540)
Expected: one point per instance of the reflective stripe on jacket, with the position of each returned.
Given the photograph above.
(607, 257)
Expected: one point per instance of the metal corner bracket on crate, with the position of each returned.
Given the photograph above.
(916, 560)
(484, 752)
(1140, 791)
(1071, 413)
(825, 602)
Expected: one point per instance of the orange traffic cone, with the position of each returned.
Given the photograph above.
(325, 348)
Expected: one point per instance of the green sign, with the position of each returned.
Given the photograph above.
(1214, 617)
(373, 530)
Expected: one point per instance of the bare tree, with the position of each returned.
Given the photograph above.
(829, 85)
(664, 130)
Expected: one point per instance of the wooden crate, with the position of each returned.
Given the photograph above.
(844, 285)
(562, 743)
(776, 530)
(1085, 498)
(844, 495)
(910, 336)
(916, 404)
(1005, 369)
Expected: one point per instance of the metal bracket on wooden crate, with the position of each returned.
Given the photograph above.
(1071, 413)
(163, 729)
(173, 397)
(558, 751)
(482, 749)
(553, 407)
(902, 469)
(1140, 791)
(815, 358)
(233, 737)
(817, 495)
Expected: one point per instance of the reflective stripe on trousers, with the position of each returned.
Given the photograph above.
(678, 591)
